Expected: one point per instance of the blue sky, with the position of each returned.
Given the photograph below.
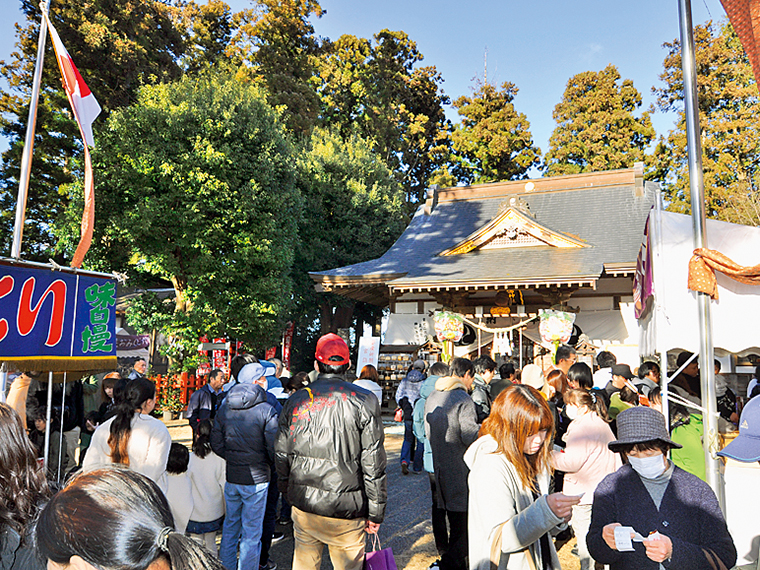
(537, 45)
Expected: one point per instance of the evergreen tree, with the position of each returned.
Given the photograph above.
(596, 126)
(493, 141)
(729, 115)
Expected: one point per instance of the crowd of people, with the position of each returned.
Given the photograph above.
(516, 460)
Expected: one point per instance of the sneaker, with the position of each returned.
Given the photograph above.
(405, 469)
(417, 472)
(284, 521)
(435, 565)
(277, 537)
(270, 565)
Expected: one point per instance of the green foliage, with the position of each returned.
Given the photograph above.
(596, 126)
(378, 88)
(198, 188)
(116, 46)
(493, 141)
(207, 29)
(169, 399)
(729, 115)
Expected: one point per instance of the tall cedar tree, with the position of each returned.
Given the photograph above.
(116, 46)
(275, 45)
(493, 141)
(596, 126)
(378, 88)
(729, 115)
(198, 188)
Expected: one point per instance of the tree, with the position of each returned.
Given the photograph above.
(198, 189)
(493, 141)
(116, 46)
(353, 212)
(596, 126)
(276, 46)
(207, 29)
(378, 88)
(729, 115)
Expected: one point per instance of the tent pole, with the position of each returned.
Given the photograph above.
(3, 381)
(60, 440)
(26, 158)
(697, 189)
(47, 418)
(656, 240)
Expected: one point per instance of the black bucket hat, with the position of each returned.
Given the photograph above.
(641, 424)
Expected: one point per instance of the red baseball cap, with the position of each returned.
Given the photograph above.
(332, 345)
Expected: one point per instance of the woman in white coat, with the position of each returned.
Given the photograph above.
(133, 437)
(510, 515)
(586, 459)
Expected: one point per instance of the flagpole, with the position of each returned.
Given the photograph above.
(26, 159)
(697, 189)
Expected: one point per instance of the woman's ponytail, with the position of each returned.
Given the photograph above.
(136, 393)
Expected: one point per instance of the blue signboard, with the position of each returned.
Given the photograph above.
(60, 319)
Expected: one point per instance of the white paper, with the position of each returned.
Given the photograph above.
(623, 538)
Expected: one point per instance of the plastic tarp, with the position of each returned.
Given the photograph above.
(672, 321)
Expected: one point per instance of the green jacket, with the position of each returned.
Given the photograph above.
(688, 432)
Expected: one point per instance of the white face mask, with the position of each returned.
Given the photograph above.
(571, 411)
(648, 467)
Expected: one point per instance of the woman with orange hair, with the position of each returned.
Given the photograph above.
(510, 514)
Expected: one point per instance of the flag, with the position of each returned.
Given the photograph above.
(86, 109)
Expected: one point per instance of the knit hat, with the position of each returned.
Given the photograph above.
(332, 345)
(532, 376)
(250, 373)
(641, 424)
(746, 446)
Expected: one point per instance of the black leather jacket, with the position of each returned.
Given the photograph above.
(329, 451)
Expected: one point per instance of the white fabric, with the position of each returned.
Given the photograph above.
(180, 498)
(148, 448)
(674, 321)
(602, 377)
(207, 477)
(373, 387)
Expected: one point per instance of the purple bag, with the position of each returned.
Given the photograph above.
(379, 559)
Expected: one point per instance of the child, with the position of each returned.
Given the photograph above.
(58, 459)
(179, 489)
(207, 476)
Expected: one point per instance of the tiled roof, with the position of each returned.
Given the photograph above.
(608, 219)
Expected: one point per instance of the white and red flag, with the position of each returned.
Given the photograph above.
(86, 109)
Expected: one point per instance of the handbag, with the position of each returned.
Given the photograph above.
(378, 559)
(496, 550)
(715, 562)
(399, 415)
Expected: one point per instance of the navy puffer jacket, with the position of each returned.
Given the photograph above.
(244, 432)
(330, 457)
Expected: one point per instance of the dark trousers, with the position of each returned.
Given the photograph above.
(455, 557)
(440, 533)
(269, 522)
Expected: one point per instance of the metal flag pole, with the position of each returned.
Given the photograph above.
(697, 189)
(26, 158)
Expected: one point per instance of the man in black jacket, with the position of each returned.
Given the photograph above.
(243, 435)
(331, 462)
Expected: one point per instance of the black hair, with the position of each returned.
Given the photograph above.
(137, 392)
(120, 390)
(682, 358)
(214, 373)
(506, 370)
(439, 369)
(484, 364)
(55, 417)
(325, 368)
(718, 365)
(646, 367)
(605, 359)
(116, 518)
(297, 381)
(202, 441)
(629, 396)
(625, 448)
(591, 399)
(239, 361)
(459, 367)
(564, 352)
(22, 480)
(178, 459)
(580, 374)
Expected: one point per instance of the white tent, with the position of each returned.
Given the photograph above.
(671, 320)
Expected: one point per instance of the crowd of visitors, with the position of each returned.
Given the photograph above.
(516, 459)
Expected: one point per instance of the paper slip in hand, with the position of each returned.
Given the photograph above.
(623, 538)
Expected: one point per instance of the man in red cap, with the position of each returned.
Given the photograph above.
(331, 462)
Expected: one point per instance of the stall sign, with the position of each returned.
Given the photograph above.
(49, 315)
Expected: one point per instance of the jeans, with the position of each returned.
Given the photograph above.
(270, 516)
(412, 447)
(242, 525)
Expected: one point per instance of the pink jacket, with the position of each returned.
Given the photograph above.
(586, 459)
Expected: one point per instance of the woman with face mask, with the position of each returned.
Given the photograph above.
(672, 517)
(586, 459)
(511, 514)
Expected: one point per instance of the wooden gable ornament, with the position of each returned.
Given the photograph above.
(513, 226)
